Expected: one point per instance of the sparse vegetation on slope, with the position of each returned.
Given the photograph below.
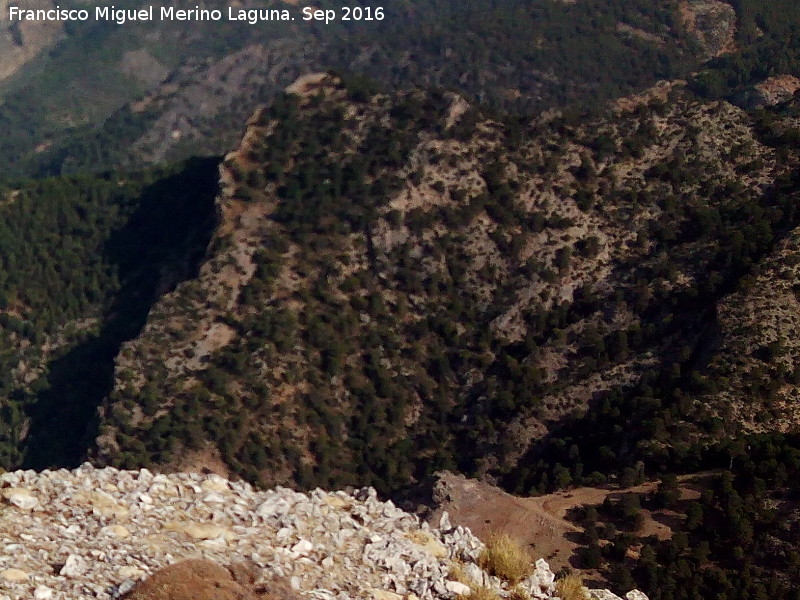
(189, 92)
(397, 278)
(733, 537)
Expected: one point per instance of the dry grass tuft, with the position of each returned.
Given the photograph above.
(480, 592)
(518, 593)
(570, 587)
(458, 574)
(504, 557)
(477, 591)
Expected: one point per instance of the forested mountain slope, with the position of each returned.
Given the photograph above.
(83, 259)
(399, 284)
(522, 270)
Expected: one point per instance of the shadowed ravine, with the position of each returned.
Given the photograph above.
(161, 245)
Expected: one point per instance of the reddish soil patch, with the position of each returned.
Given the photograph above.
(485, 509)
(206, 580)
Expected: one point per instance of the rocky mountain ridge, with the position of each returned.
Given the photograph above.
(93, 533)
(405, 262)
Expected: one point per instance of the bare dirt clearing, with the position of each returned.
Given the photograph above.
(542, 522)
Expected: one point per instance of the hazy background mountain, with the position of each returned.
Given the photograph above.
(97, 95)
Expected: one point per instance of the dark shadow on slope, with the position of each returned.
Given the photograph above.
(161, 245)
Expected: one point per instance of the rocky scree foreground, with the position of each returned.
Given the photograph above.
(93, 533)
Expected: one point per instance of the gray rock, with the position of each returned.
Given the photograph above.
(123, 588)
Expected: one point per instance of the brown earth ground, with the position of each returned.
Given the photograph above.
(206, 580)
(541, 523)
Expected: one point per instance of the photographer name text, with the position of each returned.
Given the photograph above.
(251, 16)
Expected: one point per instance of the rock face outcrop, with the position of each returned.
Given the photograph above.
(104, 533)
(772, 91)
(713, 25)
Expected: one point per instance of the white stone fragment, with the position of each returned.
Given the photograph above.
(603, 595)
(475, 573)
(75, 566)
(115, 531)
(42, 592)
(215, 483)
(125, 587)
(21, 498)
(302, 548)
(217, 542)
(458, 588)
(130, 572)
(384, 595)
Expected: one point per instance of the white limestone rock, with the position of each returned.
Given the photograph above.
(114, 527)
(458, 588)
(541, 583)
(302, 548)
(603, 595)
(42, 592)
(75, 566)
(21, 498)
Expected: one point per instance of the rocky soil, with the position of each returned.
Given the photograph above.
(93, 533)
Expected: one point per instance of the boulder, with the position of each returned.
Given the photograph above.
(458, 588)
(206, 580)
(21, 498)
(13, 575)
(74, 567)
(42, 592)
